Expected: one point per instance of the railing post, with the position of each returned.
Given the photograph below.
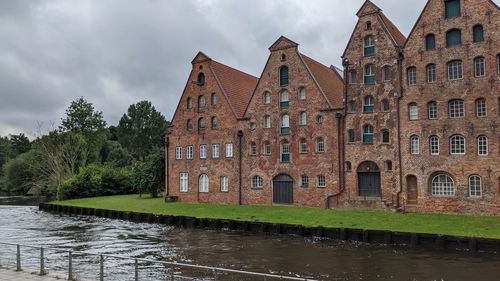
(18, 258)
(101, 268)
(42, 262)
(136, 267)
(70, 265)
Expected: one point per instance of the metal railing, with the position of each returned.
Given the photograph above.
(213, 273)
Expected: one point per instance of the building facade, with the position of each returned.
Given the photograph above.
(409, 124)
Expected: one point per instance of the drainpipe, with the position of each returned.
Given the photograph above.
(400, 96)
(167, 144)
(240, 164)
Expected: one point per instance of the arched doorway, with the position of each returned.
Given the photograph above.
(283, 189)
(411, 190)
(369, 180)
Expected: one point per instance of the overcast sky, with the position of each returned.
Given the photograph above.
(118, 52)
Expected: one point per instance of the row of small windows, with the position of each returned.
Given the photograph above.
(454, 37)
(201, 101)
(457, 145)
(368, 135)
(284, 97)
(202, 124)
(369, 105)
(285, 148)
(216, 151)
(442, 185)
(456, 109)
(258, 181)
(203, 183)
(285, 121)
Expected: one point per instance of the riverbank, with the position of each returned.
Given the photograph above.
(439, 224)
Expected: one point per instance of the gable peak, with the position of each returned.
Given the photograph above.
(367, 9)
(283, 43)
(200, 57)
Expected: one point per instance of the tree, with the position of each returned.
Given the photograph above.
(5, 152)
(142, 129)
(18, 174)
(149, 176)
(20, 144)
(114, 154)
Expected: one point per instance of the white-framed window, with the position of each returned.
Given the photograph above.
(368, 133)
(386, 73)
(285, 152)
(368, 104)
(415, 145)
(303, 146)
(229, 150)
(385, 106)
(304, 181)
(302, 93)
(413, 111)
(353, 77)
(455, 70)
(303, 118)
(481, 109)
(431, 73)
(457, 145)
(320, 145)
(224, 184)
(252, 148)
(203, 184)
(369, 46)
(215, 151)
(482, 146)
(369, 78)
(284, 99)
(213, 99)
(386, 138)
(178, 153)
(456, 109)
(203, 151)
(267, 122)
(442, 185)
(479, 69)
(184, 182)
(412, 76)
(267, 148)
(267, 98)
(434, 145)
(189, 152)
(285, 124)
(432, 110)
(475, 186)
(257, 182)
(321, 181)
(189, 103)
(201, 101)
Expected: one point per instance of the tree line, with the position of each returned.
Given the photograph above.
(84, 157)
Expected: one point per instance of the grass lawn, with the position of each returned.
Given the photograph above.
(458, 225)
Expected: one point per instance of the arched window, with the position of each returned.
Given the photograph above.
(284, 99)
(430, 42)
(478, 33)
(369, 78)
(348, 166)
(320, 145)
(303, 146)
(431, 73)
(481, 109)
(414, 145)
(320, 119)
(457, 145)
(475, 186)
(201, 101)
(353, 77)
(369, 45)
(442, 185)
(203, 183)
(189, 103)
(368, 25)
(267, 148)
(252, 148)
(213, 99)
(453, 38)
(452, 8)
(368, 104)
(283, 76)
(351, 106)
(479, 69)
(413, 111)
(432, 109)
(201, 124)
(482, 146)
(267, 98)
(351, 138)
(302, 93)
(189, 125)
(455, 70)
(201, 79)
(456, 109)
(285, 124)
(257, 182)
(285, 151)
(386, 73)
(385, 105)
(367, 134)
(434, 145)
(385, 137)
(412, 76)
(214, 122)
(267, 122)
(302, 118)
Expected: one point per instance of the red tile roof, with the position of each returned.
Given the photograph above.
(393, 30)
(329, 81)
(236, 85)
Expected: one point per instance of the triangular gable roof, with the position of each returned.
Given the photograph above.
(283, 43)
(236, 85)
(396, 34)
(200, 57)
(368, 8)
(329, 81)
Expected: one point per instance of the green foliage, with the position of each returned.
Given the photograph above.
(114, 154)
(20, 144)
(142, 129)
(5, 152)
(149, 176)
(19, 174)
(97, 180)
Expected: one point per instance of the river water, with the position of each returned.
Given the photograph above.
(286, 255)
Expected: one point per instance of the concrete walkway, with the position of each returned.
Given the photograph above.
(11, 275)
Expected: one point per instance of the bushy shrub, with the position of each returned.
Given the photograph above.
(98, 180)
(18, 174)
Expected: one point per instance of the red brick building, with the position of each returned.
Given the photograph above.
(413, 124)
